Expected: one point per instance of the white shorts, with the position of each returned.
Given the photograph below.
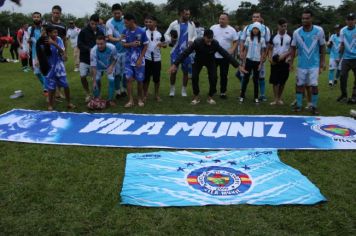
(84, 69)
(120, 64)
(307, 77)
(333, 64)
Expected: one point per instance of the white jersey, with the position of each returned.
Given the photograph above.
(225, 36)
(281, 44)
(72, 35)
(153, 52)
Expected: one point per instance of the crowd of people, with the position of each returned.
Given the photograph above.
(126, 53)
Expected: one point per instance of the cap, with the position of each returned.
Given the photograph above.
(337, 26)
(256, 25)
(350, 16)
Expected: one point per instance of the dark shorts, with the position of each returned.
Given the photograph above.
(153, 68)
(279, 73)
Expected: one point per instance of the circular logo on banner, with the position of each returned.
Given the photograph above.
(219, 181)
(335, 131)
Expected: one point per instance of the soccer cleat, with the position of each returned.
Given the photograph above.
(342, 98)
(172, 91)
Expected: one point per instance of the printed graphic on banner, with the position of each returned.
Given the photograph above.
(163, 179)
(178, 131)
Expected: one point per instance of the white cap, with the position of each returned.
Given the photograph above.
(256, 25)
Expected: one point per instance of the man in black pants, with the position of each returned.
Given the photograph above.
(205, 48)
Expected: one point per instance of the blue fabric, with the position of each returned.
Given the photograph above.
(119, 28)
(182, 44)
(349, 37)
(35, 37)
(162, 179)
(334, 51)
(179, 131)
(331, 75)
(133, 53)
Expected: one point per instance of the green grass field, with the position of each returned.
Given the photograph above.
(47, 189)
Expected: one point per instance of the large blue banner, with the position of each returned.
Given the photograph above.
(162, 179)
(178, 131)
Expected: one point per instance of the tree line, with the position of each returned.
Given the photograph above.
(206, 12)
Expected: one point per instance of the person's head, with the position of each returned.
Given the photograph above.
(37, 18)
(101, 42)
(116, 10)
(256, 28)
(52, 32)
(197, 24)
(130, 21)
(224, 19)
(337, 29)
(282, 25)
(71, 24)
(56, 13)
(307, 17)
(151, 22)
(208, 36)
(184, 14)
(25, 26)
(93, 21)
(350, 20)
(256, 17)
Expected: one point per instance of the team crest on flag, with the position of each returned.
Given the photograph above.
(185, 178)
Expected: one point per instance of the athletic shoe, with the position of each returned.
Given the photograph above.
(353, 113)
(351, 100)
(342, 98)
(172, 91)
(241, 100)
(184, 91)
(263, 98)
(297, 109)
(294, 103)
(87, 98)
(17, 94)
(256, 101)
(223, 96)
(195, 101)
(280, 102)
(314, 110)
(331, 84)
(309, 106)
(211, 101)
(76, 70)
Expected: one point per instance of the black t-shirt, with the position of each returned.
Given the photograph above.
(61, 28)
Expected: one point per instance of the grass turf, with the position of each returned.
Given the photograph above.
(46, 189)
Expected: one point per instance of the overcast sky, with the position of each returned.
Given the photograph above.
(82, 7)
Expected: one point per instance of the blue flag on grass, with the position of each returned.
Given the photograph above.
(163, 179)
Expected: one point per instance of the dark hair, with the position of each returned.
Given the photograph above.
(94, 17)
(308, 11)
(258, 35)
(208, 33)
(129, 16)
(116, 7)
(50, 28)
(282, 21)
(37, 13)
(57, 7)
(149, 17)
(225, 13)
(197, 24)
(100, 37)
(182, 9)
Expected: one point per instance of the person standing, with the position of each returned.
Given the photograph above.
(180, 34)
(335, 59)
(114, 30)
(266, 34)
(86, 41)
(205, 49)
(24, 51)
(135, 41)
(348, 52)
(227, 38)
(34, 33)
(153, 63)
(72, 34)
(278, 55)
(309, 40)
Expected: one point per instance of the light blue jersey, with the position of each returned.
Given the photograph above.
(103, 59)
(133, 53)
(308, 45)
(116, 28)
(334, 50)
(348, 37)
(36, 34)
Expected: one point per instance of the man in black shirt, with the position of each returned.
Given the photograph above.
(86, 41)
(205, 48)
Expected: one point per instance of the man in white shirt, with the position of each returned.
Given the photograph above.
(227, 38)
(153, 63)
(72, 35)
